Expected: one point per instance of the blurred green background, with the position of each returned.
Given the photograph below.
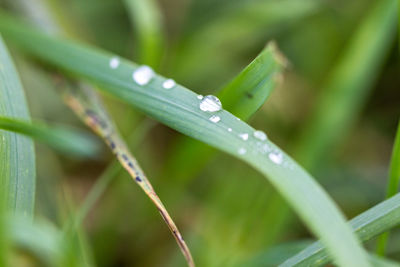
(344, 63)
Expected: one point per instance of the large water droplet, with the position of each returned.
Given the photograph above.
(260, 135)
(114, 62)
(215, 118)
(276, 157)
(210, 103)
(168, 84)
(242, 151)
(143, 75)
(244, 136)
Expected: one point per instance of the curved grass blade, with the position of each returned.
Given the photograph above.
(178, 108)
(89, 108)
(248, 91)
(64, 139)
(146, 19)
(349, 84)
(17, 158)
(276, 255)
(367, 225)
(243, 96)
(392, 186)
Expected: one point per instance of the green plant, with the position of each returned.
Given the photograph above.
(200, 117)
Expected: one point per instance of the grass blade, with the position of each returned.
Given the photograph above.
(17, 160)
(64, 139)
(179, 109)
(146, 19)
(248, 91)
(367, 225)
(89, 108)
(392, 186)
(243, 96)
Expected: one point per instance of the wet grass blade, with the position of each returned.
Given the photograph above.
(17, 158)
(89, 108)
(178, 108)
(243, 96)
(367, 225)
(63, 139)
(146, 20)
(392, 186)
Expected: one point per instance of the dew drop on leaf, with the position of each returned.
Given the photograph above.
(276, 157)
(242, 151)
(168, 84)
(215, 118)
(210, 103)
(260, 135)
(244, 136)
(114, 62)
(143, 75)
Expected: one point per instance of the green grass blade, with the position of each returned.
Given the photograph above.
(146, 19)
(349, 84)
(178, 108)
(367, 225)
(392, 186)
(248, 91)
(63, 139)
(243, 96)
(17, 158)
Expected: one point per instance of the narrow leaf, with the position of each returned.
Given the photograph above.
(88, 107)
(64, 139)
(392, 186)
(367, 225)
(146, 19)
(17, 158)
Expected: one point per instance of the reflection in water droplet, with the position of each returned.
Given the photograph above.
(229, 129)
(168, 84)
(114, 62)
(242, 151)
(215, 118)
(260, 135)
(199, 97)
(210, 103)
(143, 75)
(276, 157)
(244, 136)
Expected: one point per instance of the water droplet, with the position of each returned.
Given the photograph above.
(244, 136)
(260, 135)
(238, 119)
(114, 62)
(276, 157)
(210, 103)
(215, 118)
(143, 75)
(168, 84)
(242, 151)
(199, 97)
(229, 129)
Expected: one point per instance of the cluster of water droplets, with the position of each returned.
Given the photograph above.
(144, 74)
